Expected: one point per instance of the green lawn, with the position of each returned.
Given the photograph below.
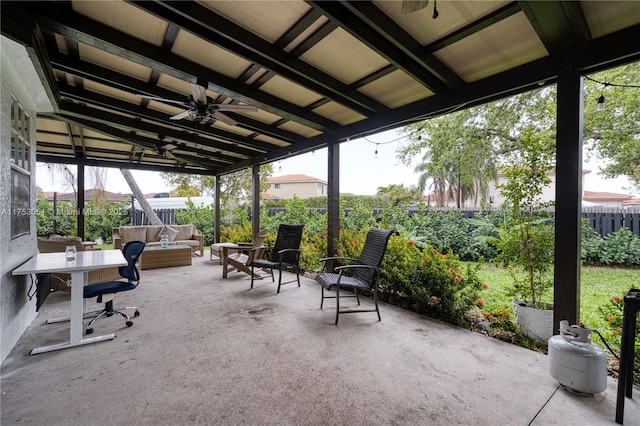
(597, 287)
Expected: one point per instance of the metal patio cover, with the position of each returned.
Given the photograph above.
(318, 72)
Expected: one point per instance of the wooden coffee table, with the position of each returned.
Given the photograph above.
(172, 255)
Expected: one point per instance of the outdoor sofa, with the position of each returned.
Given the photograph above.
(151, 234)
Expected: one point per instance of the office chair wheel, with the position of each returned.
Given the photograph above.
(129, 323)
(136, 314)
(89, 331)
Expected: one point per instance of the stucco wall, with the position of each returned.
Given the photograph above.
(16, 310)
(300, 189)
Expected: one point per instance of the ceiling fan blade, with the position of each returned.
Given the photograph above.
(198, 93)
(180, 116)
(234, 107)
(225, 119)
(170, 101)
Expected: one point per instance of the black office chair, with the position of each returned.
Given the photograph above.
(284, 255)
(131, 252)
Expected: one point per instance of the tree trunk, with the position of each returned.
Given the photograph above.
(137, 192)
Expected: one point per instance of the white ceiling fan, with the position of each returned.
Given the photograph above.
(410, 6)
(201, 107)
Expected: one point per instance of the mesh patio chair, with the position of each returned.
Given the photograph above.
(284, 255)
(365, 272)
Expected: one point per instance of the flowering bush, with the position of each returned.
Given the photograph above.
(497, 323)
(398, 266)
(430, 282)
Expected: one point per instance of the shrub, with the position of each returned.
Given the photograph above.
(236, 233)
(429, 282)
(313, 248)
(65, 218)
(621, 248)
(612, 313)
(398, 270)
(202, 217)
(359, 217)
(100, 221)
(591, 244)
(445, 289)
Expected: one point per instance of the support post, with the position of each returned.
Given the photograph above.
(255, 202)
(80, 202)
(333, 197)
(566, 281)
(216, 212)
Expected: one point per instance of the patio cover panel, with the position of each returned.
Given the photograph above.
(310, 67)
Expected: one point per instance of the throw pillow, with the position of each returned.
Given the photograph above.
(132, 233)
(169, 232)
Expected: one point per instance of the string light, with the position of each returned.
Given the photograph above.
(605, 84)
(375, 154)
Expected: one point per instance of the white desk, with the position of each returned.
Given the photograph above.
(79, 268)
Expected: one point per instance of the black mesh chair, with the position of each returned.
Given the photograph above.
(106, 290)
(364, 272)
(284, 255)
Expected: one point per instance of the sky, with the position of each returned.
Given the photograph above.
(361, 171)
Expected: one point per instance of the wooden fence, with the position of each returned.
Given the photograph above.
(138, 217)
(604, 220)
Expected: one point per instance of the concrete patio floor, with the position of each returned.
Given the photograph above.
(212, 351)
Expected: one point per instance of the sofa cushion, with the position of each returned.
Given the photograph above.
(190, 243)
(185, 232)
(168, 231)
(152, 233)
(64, 239)
(133, 233)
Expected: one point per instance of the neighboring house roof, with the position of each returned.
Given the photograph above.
(294, 179)
(604, 196)
(89, 194)
(631, 202)
(267, 196)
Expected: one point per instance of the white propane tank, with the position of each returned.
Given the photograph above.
(575, 362)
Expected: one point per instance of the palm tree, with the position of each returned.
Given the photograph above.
(137, 192)
(440, 177)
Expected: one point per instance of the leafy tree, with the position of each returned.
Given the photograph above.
(202, 217)
(528, 240)
(613, 134)
(235, 188)
(65, 218)
(489, 135)
(398, 194)
(473, 143)
(101, 219)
